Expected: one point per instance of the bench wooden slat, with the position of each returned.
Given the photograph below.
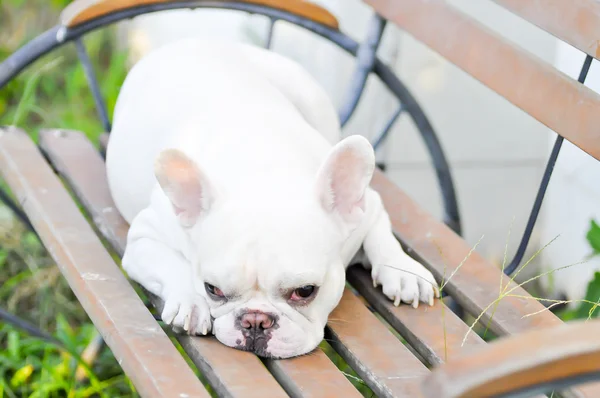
(81, 11)
(436, 333)
(233, 370)
(380, 359)
(551, 97)
(576, 22)
(476, 285)
(311, 376)
(137, 341)
(515, 363)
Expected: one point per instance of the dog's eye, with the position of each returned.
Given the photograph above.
(303, 293)
(214, 291)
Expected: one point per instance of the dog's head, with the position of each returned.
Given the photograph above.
(269, 260)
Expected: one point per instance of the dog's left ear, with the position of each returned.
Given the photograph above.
(184, 184)
(345, 176)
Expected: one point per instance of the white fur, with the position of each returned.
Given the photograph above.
(249, 193)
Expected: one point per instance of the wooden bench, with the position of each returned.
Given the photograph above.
(67, 170)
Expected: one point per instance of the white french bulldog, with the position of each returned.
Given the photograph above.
(244, 214)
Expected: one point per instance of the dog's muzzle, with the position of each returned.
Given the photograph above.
(257, 328)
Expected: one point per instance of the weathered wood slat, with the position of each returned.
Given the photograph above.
(236, 372)
(137, 341)
(379, 358)
(81, 11)
(436, 333)
(548, 95)
(311, 376)
(476, 285)
(576, 22)
(561, 353)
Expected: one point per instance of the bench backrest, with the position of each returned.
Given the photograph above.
(548, 95)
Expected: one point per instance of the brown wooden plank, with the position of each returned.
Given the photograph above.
(436, 333)
(239, 373)
(311, 376)
(551, 97)
(476, 285)
(137, 341)
(576, 22)
(558, 353)
(378, 357)
(81, 11)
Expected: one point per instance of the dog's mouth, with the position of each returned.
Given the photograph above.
(257, 345)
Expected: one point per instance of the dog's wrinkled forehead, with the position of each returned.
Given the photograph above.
(248, 244)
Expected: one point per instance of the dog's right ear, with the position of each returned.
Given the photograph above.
(344, 177)
(184, 184)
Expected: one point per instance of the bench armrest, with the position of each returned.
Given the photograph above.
(535, 361)
(81, 11)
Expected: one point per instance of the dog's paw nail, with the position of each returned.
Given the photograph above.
(374, 283)
(397, 301)
(431, 301)
(204, 330)
(415, 302)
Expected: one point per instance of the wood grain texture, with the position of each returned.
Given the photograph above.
(436, 333)
(140, 345)
(476, 285)
(379, 358)
(576, 22)
(81, 11)
(551, 97)
(564, 352)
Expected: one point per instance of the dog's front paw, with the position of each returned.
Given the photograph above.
(406, 281)
(187, 313)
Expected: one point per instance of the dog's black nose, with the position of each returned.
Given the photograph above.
(257, 320)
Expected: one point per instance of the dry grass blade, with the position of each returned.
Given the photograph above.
(507, 294)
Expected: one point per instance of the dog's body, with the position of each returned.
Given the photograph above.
(252, 214)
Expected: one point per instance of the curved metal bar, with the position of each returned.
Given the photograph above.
(365, 60)
(442, 169)
(93, 83)
(17, 210)
(388, 127)
(59, 35)
(537, 204)
(27, 54)
(270, 33)
(28, 327)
